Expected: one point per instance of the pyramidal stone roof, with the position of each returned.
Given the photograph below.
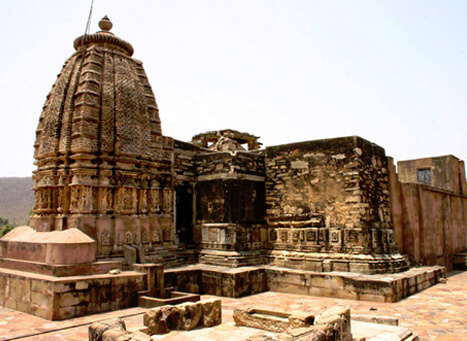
(100, 105)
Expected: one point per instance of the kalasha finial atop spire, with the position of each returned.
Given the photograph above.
(103, 37)
(105, 24)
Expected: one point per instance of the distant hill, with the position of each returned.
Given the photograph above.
(16, 199)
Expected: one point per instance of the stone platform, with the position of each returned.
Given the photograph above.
(238, 282)
(60, 298)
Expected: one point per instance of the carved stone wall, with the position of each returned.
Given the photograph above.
(329, 196)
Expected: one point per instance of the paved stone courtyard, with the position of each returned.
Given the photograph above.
(437, 313)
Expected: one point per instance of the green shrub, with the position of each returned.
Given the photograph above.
(5, 230)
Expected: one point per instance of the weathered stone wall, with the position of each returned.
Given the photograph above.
(184, 165)
(329, 196)
(233, 283)
(230, 201)
(430, 223)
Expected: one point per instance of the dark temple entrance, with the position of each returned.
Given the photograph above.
(184, 213)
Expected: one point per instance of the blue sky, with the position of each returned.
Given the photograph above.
(392, 72)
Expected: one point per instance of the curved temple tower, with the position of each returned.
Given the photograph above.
(103, 165)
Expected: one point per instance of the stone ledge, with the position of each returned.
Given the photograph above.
(60, 270)
(237, 282)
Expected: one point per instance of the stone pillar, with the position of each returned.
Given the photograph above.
(155, 278)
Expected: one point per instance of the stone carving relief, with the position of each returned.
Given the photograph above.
(352, 236)
(335, 236)
(126, 201)
(273, 235)
(129, 237)
(167, 205)
(143, 201)
(311, 235)
(145, 238)
(87, 199)
(156, 236)
(75, 198)
(105, 238)
(43, 199)
(295, 235)
(82, 199)
(167, 235)
(106, 200)
(60, 199)
(154, 200)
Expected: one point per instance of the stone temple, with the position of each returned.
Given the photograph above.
(223, 215)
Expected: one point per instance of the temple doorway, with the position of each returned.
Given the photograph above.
(184, 213)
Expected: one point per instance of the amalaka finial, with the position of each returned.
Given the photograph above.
(105, 24)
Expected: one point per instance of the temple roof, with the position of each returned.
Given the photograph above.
(101, 104)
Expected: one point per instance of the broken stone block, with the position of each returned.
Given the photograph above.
(161, 320)
(112, 334)
(299, 320)
(339, 319)
(273, 321)
(134, 336)
(190, 315)
(212, 312)
(97, 329)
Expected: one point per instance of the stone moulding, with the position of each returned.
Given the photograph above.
(59, 270)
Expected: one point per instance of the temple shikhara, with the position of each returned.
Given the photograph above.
(121, 209)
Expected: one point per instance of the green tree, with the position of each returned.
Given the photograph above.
(3, 222)
(5, 230)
